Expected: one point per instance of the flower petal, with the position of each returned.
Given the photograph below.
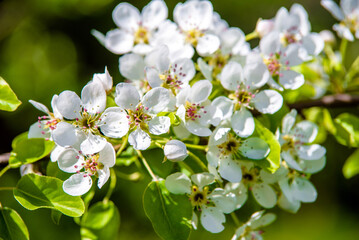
(39, 106)
(93, 98)
(200, 91)
(303, 190)
(119, 41)
(333, 8)
(207, 45)
(202, 179)
(230, 170)
(93, 144)
(268, 101)
(212, 219)
(114, 123)
(126, 16)
(139, 139)
(305, 131)
(69, 160)
(231, 76)
(159, 125)
(254, 148)
(107, 155)
(132, 66)
(154, 13)
(77, 184)
(243, 123)
(264, 195)
(103, 176)
(311, 152)
(197, 129)
(64, 134)
(69, 104)
(291, 80)
(178, 183)
(156, 100)
(127, 96)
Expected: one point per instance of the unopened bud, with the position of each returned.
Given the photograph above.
(263, 27)
(175, 151)
(327, 36)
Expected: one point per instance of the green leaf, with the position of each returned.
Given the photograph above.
(351, 166)
(347, 129)
(53, 170)
(272, 162)
(102, 221)
(12, 227)
(155, 158)
(8, 100)
(170, 214)
(56, 216)
(27, 150)
(34, 191)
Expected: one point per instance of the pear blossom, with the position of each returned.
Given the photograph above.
(243, 83)
(347, 14)
(85, 166)
(175, 151)
(251, 230)
(85, 114)
(212, 205)
(136, 114)
(296, 148)
(105, 79)
(135, 30)
(225, 150)
(46, 124)
(195, 110)
(194, 18)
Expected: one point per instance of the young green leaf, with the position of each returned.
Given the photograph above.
(12, 227)
(102, 221)
(272, 161)
(34, 191)
(351, 166)
(8, 99)
(347, 126)
(170, 214)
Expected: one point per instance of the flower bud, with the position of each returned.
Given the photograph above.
(175, 151)
(263, 27)
(327, 36)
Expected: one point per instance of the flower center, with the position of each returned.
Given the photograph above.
(192, 111)
(138, 117)
(242, 96)
(352, 21)
(88, 122)
(171, 78)
(51, 122)
(192, 36)
(292, 35)
(218, 61)
(230, 147)
(199, 198)
(274, 65)
(142, 35)
(250, 176)
(290, 143)
(91, 165)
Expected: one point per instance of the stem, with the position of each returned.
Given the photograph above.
(111, 187)
(148, 168)
(123, 146)
(129, 177)
(4, 170)
(6, 188)
(343, 48)
(185, 165)
(251, 36)
(235, 219)
(198, 160)
(199, 147)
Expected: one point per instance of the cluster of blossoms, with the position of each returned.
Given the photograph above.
(169, 99)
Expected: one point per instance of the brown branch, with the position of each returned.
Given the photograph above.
(330, 101)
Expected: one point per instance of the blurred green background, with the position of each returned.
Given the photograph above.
(46, 47)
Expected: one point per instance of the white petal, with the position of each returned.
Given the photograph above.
(243, 123)
(212, 219)
(333, 8)
(343, 32)
(64, 134)
(126, 16)
(270, 43)
(213, 156)
(152, 76)
(103, 176)
(159, 125)
(230, 170)
(265, 220)
(219, 136)
(264, 195)
(105, 79)
(290, 206)
(185, 69)
(114, 124)
(56, 112)
(181, 131)
(200, 91)
(193, 15)
(311, 152)
(119, 41)
(256, 75)
(231, 37)
(139, 139)
(294, 55)
(289, 159)
(127, 96)
(132, 66)
(225, 105)
(206, 69)
(290, 79)
(93, 144)
(107, 155)
(254, 148)
(70, 160)
(69, 105)
(175, 150)
(226, 202)
(158, 58)
(157, 99)
(39, 106)
(54, 156)
(202, 179)
(305, 131)
(142, 49)
(93, 98)
(207, 45)
(288, 121)
(313, 43)
(39, 130)
(178, 183)
(268, 101)
(198, 129)
(231, 76)
(303, 190)
(314, 166)
(154, 13)
(77, 184)
(194, 221)
(349, 6)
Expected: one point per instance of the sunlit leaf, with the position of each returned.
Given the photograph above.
(34, 191)
(170, 214)
(351, 166)
(347, 129)
(12, 227)
(8, 99)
